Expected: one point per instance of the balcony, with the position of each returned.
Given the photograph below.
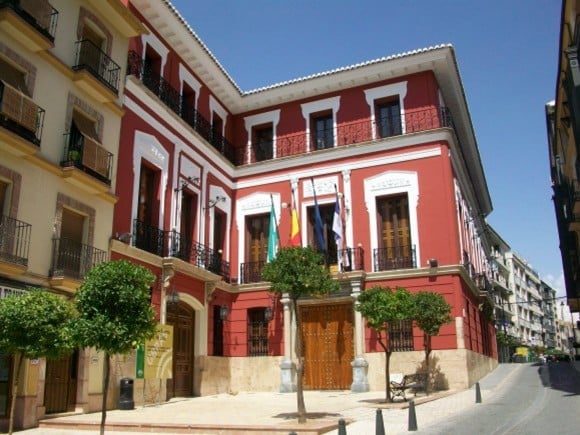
(95, 72)
(171, 97)
(31, 22)
(84, 156)
(402, 257)
(72, 260)
(21, 122)
(286, 145)
(14, 245)
(172, 244)
(199, 255)
(251, 271)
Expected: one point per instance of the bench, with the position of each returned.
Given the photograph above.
(415, 382)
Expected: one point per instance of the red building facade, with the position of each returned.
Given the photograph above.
(201, 164)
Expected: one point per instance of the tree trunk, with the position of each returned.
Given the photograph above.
(105, 393)
(387, 366)
(19, 359)
(427, 340)
(299, 367)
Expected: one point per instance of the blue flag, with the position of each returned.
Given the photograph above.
(318, 223)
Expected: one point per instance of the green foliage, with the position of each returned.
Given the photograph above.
(299, 271)
(115, 313)
(35, 325)
(504, 339)
(430, 312)
(381, 306)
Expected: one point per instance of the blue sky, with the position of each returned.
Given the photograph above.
(507, 51)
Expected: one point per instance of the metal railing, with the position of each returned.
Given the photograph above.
(352, 258)
(401, 257)
(87, 155)
(20, 114)
(14, 240)
(149, 238)
(251, 271)
(38, 13)
(73, 259)
(172, 99)
(90, 57)
(258, 338)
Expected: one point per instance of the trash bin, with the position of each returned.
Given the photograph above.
(126, 394)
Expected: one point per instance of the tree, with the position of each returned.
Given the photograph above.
(381, 307)
(298, 272)
(431, 311)
(115, 313)
(34, 325)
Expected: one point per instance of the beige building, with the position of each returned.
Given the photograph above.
(62, 65)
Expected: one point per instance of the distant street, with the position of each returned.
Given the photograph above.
(540, 399)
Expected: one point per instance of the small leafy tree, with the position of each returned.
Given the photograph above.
(298, 272)
(431, 311)
(381, 306)
(34, 325)
(115, 314)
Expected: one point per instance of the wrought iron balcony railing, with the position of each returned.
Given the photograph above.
(401, 257)
(74, 260)
(173, 244)
(251, 271)
(14, 241)
(90, 57)
(149, 238)
(87, 155)
(38, 13)
(20, 114)
(199, 255)
(352, 259)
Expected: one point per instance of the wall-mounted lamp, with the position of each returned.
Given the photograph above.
(173, 298)
(269, 311)
(186, 182)
(213, 202)
(432, 262)
(224, 312)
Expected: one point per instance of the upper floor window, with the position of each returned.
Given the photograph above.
(188, 98)
(388, 116)
(4, 197)
(322, 125)
(13, 76)
(91, 49)
(262, 142)
(395, 249)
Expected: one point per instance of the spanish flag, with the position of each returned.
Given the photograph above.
(294, 224)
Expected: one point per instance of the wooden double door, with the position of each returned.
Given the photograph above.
(327, 346)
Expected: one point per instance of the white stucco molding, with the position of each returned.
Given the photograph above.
(374, 94)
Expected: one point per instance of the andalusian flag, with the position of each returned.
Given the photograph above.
(294, 224)
(272, 235)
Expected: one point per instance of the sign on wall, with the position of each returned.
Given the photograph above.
(155, 357)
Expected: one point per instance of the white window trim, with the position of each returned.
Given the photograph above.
(391, 183)
(216, 107)
(187, 77)
(318, 106)
(250, 122)
(225, 207)
(256, 203)
(374, 94)
(147, 147)
(158, 46)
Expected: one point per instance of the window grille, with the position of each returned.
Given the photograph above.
(257, 332)
(401, 336)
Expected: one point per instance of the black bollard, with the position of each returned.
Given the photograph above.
(379, 424)
(412, 417)
(341, 427)
(477, 393)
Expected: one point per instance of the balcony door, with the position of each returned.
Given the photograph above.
(91, 51)
(395, 232)
(71, 243)
(148, 235)
(187, 225)
(257, 232)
